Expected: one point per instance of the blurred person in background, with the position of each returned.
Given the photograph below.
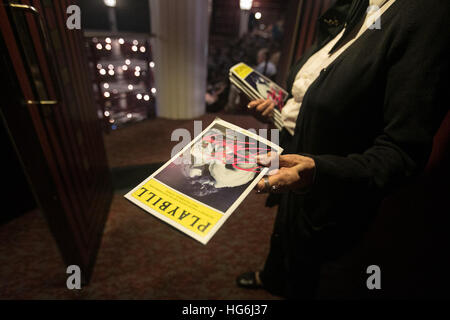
(265, 65)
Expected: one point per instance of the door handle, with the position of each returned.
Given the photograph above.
(47, 52)
(41, 102)
(24, 7)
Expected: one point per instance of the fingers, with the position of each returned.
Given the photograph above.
(261, 105)
(260, 186)
(273, 180)
(291, 160)
(269, 110)
(276, 183)
(272, 159)
(262, 109)
(267, 159)
(295, 177)
(288, 160)
(255, 103)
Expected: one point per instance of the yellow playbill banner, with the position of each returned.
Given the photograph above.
(242, 70)
(203, 184)
(187, 213)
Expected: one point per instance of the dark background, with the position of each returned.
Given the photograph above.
(132, 16)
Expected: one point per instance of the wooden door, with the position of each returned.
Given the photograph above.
(48, 108)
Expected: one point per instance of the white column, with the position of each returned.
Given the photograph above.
(180, 54)
(112, 18)
(243, 22)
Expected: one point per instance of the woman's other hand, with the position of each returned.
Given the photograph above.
(295, 173)
(262, 109)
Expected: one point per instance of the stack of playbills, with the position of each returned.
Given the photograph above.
(256, 86)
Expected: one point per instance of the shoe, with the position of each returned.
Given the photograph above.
(248, 281)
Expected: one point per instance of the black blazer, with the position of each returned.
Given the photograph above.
(368, 121)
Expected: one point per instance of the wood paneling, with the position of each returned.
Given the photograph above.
(66, 164)
(225, 18)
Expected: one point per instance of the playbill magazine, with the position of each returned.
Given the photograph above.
(256, 86)
(200, 187)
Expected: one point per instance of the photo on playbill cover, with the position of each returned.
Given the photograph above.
(201, 186)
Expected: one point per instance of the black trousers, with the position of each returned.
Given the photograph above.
(286, 274)
(290, 271)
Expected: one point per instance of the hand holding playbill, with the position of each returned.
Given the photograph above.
(262, 109)
(295, 173)
(257, 87)
(201, 186)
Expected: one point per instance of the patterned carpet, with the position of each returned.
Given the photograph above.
(140, 257)
(143, 258)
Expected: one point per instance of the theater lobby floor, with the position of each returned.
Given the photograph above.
(141, 257)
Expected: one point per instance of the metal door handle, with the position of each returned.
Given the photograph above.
(42, 102)
(47, 51)
(25, 7)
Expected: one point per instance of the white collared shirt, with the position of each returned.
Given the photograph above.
(322, 59)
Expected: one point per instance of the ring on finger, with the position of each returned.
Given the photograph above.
(275, 187)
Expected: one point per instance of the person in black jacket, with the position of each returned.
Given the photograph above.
(365, 127)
